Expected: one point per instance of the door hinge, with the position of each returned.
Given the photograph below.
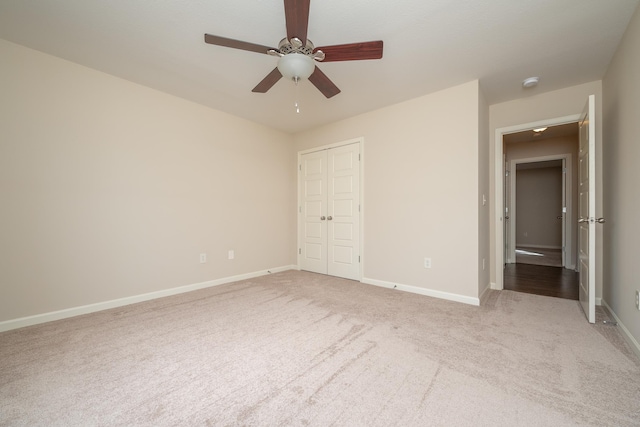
(358, 258)
(300, 167)
(300, 209)
(299, 251)
(358, 157)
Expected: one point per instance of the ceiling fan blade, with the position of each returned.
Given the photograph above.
(268, 82)
(352, 51)
(297, 17)
(322, 82)
(235, 44)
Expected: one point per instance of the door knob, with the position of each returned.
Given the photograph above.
(330, 218)
(600, 220)
(580, 220)
(322, 218)
(506, 217)
(559, 217)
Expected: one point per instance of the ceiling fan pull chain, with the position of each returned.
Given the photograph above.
(296, 80)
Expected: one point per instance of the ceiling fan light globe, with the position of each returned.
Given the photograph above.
(296, 65)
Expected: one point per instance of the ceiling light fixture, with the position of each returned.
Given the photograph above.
(297, 61)
(540, 129)
(530, 82)
(296, 66)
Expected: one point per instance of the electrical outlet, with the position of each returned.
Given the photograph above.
(427, 263)
(638, 299)
(203, 258)
(232, 254)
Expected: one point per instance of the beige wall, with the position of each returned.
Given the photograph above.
(420, 188)
(622, 198)
(111, 190)
(545, 147)
(539, 108)
(538, 204)
(484, 192)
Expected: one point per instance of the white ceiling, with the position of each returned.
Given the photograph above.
(429, 45)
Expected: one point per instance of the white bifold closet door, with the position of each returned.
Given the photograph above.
(330, 211)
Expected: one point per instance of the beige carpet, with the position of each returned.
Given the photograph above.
(302, 349)
(538, 256)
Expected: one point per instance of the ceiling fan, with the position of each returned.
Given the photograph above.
(298, 54)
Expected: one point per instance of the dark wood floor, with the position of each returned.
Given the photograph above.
(541, 280)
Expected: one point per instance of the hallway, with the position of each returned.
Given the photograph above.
(541, 280)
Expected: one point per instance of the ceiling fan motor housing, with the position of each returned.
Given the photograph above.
(286, 47)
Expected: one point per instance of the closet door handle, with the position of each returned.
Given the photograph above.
(322, 218)
(330, 218)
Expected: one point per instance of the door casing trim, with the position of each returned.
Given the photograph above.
(513, 213)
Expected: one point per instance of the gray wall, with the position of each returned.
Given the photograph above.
(538, 203)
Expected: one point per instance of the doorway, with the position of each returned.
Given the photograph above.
(539, 214)
(539, 222)
(540, 203)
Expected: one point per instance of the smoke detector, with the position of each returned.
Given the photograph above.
(530, 82)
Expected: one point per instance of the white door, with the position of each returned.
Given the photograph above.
(343, 213)
(563, 215)
(313, 208)
(506, 224)
(587, 211)
(330, 209)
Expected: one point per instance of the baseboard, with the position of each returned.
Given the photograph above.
(630, 339)
(538, 246)
(91, 308)
(423, 291)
